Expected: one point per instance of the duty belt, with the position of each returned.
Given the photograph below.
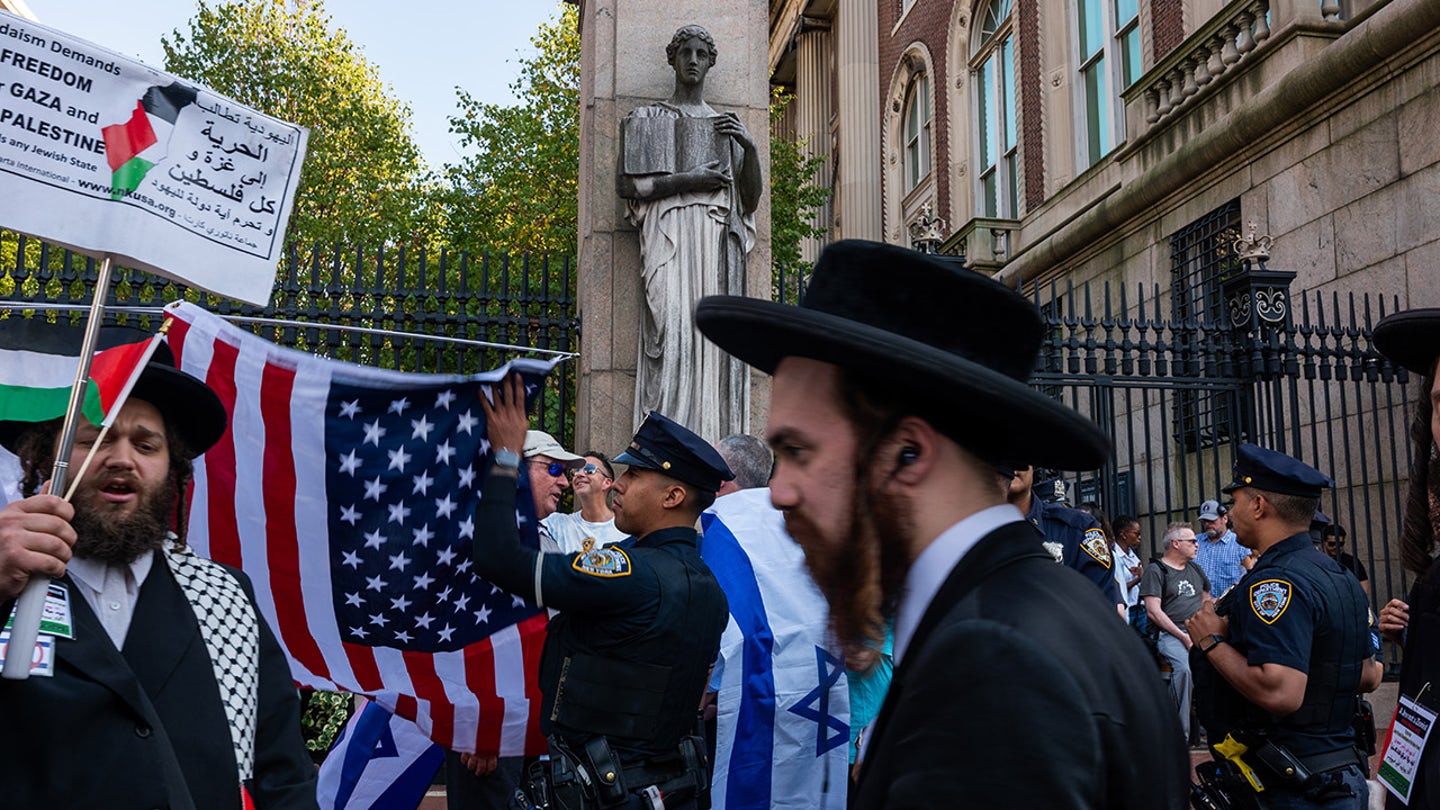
(593, 777)
(1320, 763)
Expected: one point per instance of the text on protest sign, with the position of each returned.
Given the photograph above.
(106, 155)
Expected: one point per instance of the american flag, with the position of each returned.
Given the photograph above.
(347, 494)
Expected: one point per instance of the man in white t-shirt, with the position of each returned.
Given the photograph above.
(593, 526)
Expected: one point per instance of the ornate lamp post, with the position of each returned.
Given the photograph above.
(1257, 305)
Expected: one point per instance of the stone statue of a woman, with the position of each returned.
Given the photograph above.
(691, 177)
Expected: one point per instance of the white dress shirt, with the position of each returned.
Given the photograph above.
(935, 563)
(111, 590)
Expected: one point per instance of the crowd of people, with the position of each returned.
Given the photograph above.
(974, 610)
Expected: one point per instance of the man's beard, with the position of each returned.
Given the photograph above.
(861, 576)
(121, 540)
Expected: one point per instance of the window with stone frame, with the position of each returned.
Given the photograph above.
(1202, 257)
(916, 131)
(997, 181)
(1108, 47)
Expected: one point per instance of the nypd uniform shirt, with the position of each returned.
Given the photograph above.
(1075, 539)
(599, 581)
(640, 606)
(1292, 601)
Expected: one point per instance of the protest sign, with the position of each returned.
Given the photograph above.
(105, 155)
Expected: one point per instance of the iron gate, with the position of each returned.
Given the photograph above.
(1177, 394)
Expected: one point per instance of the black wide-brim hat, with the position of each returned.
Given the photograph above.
(956, 345)
(189, 406)
(1410, 339)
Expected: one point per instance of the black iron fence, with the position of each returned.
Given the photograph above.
(413, 311)
(1178, 392)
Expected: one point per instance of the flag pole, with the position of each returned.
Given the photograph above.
(28, 608)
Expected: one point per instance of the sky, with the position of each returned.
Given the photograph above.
(422, 54)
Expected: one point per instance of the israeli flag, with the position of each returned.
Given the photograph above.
(784, 703)
(381, 761)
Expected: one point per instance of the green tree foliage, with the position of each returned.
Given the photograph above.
(517, 187)
(794, 200)
(363, 178)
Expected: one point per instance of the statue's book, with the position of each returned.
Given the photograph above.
(665, 145)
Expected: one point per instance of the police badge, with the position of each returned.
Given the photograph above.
(1057, 550)
(1269, 598)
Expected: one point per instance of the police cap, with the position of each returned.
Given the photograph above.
(1273, 471)
(663, 445)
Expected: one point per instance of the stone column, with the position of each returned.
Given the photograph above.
(622, 66)
(858, 192)
(813, 92)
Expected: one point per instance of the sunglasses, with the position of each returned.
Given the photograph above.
(556, 469)
(588, 469)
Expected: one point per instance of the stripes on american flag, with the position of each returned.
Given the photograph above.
(347, 494)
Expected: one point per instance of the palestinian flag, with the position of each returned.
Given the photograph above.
(38, 361)
(133, 147)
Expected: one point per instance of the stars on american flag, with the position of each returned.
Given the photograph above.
(349, 463)
(403, 473)
(466, 424)
(374, 433)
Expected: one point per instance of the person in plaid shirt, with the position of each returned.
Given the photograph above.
(1221, 556)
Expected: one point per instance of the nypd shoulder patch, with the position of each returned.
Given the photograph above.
(1097, 546)
(605, 562)
(1269, 598)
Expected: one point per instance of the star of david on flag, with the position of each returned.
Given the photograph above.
(380, 761)
(815, 705)
(782, 699)
(347, 493)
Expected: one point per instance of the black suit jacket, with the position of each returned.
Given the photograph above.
(1022, 688)
(145, 728)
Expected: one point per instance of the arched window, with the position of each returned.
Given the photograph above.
(1108, 44)
(917, 130)
(997, 181)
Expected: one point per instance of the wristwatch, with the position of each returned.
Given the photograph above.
(507, 458)
(1215, 640)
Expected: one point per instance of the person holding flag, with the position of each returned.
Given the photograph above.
(626, 659)
(156, 677)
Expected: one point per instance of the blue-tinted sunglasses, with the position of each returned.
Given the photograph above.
(556, 469)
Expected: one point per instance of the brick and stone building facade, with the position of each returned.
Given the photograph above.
(1072, 138)
(1083, 140)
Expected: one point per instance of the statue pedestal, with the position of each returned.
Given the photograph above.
(622, 66)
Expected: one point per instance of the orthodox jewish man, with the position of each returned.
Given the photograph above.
(167, 687)
(899, 391)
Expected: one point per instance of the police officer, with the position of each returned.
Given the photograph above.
(1280, 659)
(627, 658)
(1072, 537)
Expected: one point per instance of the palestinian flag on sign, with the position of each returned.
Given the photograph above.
(38, 361)
(133, 147)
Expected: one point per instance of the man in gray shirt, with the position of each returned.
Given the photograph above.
(1173, 588)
